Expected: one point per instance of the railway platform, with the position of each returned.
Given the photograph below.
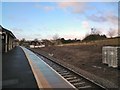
(45, 76)
(24, 69)
(16, 71)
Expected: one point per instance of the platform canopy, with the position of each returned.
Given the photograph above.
(7, 32)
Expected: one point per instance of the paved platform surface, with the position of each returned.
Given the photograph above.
(46, 76)
(16, 71)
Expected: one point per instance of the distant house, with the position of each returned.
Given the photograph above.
(47, 42)
(36, 44)
(8, 39)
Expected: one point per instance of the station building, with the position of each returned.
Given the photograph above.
(0, 40)
(8, 39)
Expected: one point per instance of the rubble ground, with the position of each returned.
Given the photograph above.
(86, 57)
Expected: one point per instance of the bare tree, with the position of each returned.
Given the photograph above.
(35, 39)
(95, 31)
(47, 42)
(98, 32)
(23, 39)
(111, 32)
(55, 37)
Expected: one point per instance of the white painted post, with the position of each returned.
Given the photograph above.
(10, 43)
(6, 42)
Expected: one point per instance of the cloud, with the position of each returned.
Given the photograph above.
(113, 19)
(17, 30)
(74, 7)
(97, 18)
(112, 32)
(46, 8)
(67, 4)
(109, 17)
(85, 24)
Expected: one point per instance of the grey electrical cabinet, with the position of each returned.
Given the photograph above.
(110, 56)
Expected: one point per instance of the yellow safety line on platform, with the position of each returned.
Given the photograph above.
(41, 81)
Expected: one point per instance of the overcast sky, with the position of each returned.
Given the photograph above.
(42, 20)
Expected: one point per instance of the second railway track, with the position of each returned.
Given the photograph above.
(76, 80)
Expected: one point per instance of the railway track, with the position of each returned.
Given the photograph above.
(78, 81)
